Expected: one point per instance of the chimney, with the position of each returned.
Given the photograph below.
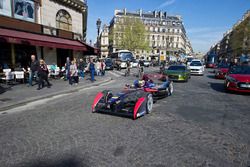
(140, 12)
(155, 13)
(125, 11)
(165, 15)
(160, 14)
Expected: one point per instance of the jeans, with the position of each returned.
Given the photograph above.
(98, 72)
(92, 73)
(67, 74)
(31, 75)
(103, 72)
(81, 72)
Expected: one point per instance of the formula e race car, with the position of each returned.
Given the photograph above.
(157, 84)
(133, 103)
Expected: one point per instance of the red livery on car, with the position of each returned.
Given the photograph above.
(238, 79)
(221, 71)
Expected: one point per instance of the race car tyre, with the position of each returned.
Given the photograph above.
(170, 89)
(149, 103)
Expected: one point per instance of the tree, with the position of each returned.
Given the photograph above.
(240, 38)
(129, 34)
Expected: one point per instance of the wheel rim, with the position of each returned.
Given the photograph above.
(150, 103)
(171, 88)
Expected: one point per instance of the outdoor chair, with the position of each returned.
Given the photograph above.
(8, 76)
(56, 73)
(19, 75)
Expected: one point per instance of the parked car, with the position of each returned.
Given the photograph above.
(109, 64)
(238, 79)
(147, 63)
(178, 73)
(135, 63)
(221, 70)
(196, 68)
(189, 60)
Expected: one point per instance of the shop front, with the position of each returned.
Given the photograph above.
(16, 47)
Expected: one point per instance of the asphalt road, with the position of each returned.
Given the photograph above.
(199, 126)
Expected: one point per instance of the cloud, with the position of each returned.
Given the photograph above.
(166, 3)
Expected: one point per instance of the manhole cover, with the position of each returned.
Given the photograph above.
(5, 100)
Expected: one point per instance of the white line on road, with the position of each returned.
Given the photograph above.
(113, 73)
(32, 105)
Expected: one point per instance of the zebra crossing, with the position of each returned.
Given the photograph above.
(133, 71)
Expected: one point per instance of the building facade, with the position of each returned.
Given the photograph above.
(166, 34)
(104, 39)
(50, 29)
(235, 41)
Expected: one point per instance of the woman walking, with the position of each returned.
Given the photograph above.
(43, 75)
(73, 73)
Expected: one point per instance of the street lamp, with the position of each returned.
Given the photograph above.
(98, 24)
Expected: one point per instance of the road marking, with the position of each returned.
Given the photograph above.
(32, 105)
(112, 73)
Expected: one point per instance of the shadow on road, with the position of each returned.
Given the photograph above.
(211, 76)
(67, 162)
(219, 87)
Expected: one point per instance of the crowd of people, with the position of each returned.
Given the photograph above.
(73, 71)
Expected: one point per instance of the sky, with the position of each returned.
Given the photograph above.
(204, 20)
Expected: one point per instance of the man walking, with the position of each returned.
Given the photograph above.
(33, 69)
(67, 69)
(81, 68)
(92, 69)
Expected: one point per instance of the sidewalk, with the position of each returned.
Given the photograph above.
(20, 94)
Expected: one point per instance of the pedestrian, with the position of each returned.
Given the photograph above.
(34, 65)
(43, 75)
(91, 68)
(67, 69)
(73, 73)
(81, 67)
(103, 66)
(98, 68)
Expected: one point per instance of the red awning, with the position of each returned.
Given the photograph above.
(19, 37)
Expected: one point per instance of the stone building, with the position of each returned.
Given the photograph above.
(51, 29)
(104, 39)
(235, 41)
(165, 33)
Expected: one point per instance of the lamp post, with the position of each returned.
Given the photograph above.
(98, 25)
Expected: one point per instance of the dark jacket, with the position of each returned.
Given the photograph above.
(34, 66)
(43, 70)
(81, 65)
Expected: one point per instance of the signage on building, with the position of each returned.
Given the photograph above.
(5, 7)
(24, 9)
(162, 58)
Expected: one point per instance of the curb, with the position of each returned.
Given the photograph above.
(21, 103)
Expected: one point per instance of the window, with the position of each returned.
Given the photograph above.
(63, 20)
(23, 9)
(5, 7)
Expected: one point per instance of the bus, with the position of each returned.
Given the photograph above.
(211, 60)
(121, 57)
